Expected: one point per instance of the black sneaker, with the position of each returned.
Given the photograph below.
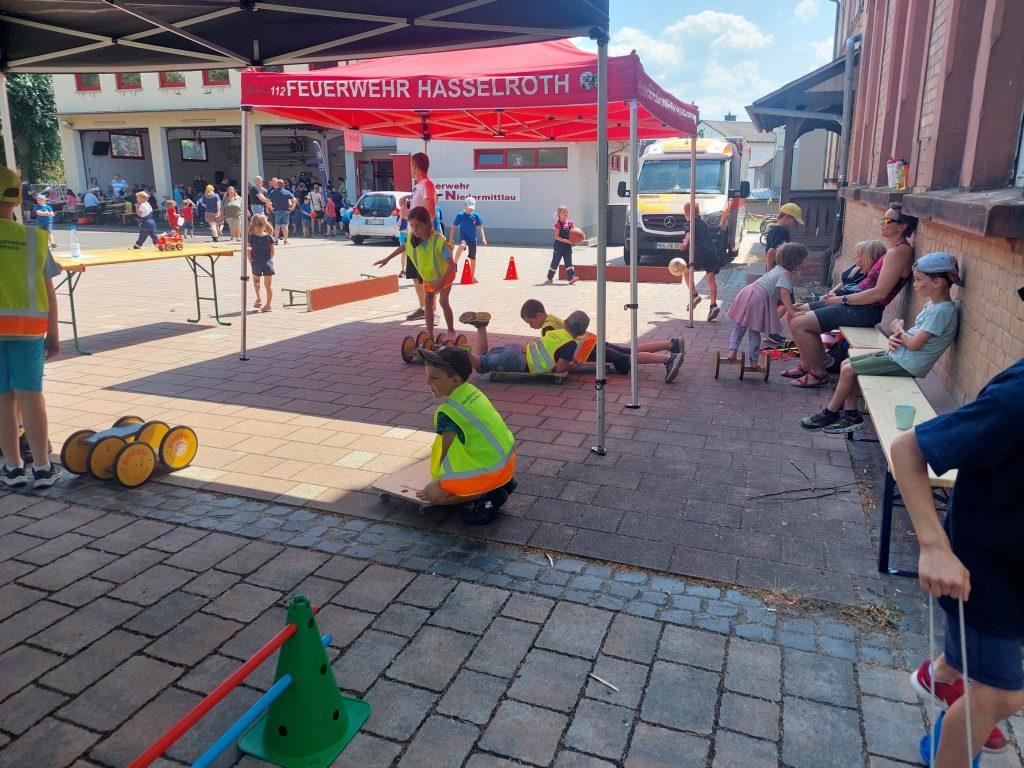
(820, 420)
(13, 477)
(775, 340)
(672, 366)
(416, 314)
(25, 449)
(713, 312)
(677, 346)
(848, 421)
(44, 478)
(510, 486)
(486, 508)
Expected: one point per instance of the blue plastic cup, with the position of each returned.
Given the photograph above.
(905, 416)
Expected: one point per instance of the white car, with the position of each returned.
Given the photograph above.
(376, 215)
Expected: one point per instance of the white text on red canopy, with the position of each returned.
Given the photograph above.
(424, 88)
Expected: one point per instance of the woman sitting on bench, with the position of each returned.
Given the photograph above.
(911, 353)
(474, 457)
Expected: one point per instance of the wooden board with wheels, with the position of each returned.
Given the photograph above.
(547, 378)
(404, 484)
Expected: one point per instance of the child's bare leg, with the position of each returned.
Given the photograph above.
(420, 294)
(988, 706)
(712, 287)
(481, 345)
(267, 279)
(649, 358)
(435, 494)
(9, 430)
(33, 414)
(256, 287)
(845, 387)
(428, 309)
(446, 308)
(654, 346)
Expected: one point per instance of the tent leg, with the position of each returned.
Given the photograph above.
(693, 229)
(246, 115)
(602, 230)
(634, 267)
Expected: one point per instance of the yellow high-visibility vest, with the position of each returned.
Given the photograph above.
(428, 257)
(552, 323)
(486, 459)
(540, 354)
(24, 306)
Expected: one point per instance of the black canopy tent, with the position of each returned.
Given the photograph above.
(97, 36)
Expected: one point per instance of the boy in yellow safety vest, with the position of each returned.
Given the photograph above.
(666, 353)
(552, 353)
(28, 334)
(473, 457)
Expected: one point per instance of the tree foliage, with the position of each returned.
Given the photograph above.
(36, 142)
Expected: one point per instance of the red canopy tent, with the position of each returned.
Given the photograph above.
(535, 92)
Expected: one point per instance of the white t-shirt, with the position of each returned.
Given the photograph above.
(422, 191)
(145, 210)
(316, 201)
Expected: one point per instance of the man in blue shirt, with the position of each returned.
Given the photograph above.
(468, 221)
(976, 556)
(284, 203)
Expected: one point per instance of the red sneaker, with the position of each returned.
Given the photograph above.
(946, 694)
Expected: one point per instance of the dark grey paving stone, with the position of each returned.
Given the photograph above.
(400, 619)
(116, 697)
(51, 742)
(132, 536)
(206, 552)
(366, 751)
(128, 566)
(67, 570)
(433, 658)
(663, 704)
(628, 677)
(600, 729)
(470, 608)
(151, 585)
(319, 591)
(287, 569)
(88, 666)
(473, 696)
(166, 614)
(694, 647)
(503, 647)
(364, 661)
(755, 717)
(374, 588)
(568, 759)
(575, 629)
(81, 592)
(128, 741)
(803, 724)
(343, 624)
(754, 668)
(525, 733)
(243, 602)
(22, 665)
(819, 678)
(550, 680)
(85, 626)
(193, 640)
(890, 727)
(440, 743)
(249, 558)
(25, 708)
(632, 638)
(398, 709)
(886, 682)
(484, 760)
(734, 750)
(427, 591)
(653, 747)
(527, 607)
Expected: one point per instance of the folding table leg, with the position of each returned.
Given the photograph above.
(885, 534)
(71, 281)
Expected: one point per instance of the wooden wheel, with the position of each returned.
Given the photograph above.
(428, 344)
(179, 447)
(743, 364)
(151, 433)
(718, 363)
(74, 453)
(461, 340)
(439, 339)
(420, 338)
(767, 365)
(128, 420)
(100, 459)
(134, 464)
(408, 349)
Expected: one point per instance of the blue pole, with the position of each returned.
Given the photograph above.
(248, 718)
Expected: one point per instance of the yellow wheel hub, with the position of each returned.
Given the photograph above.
(151, 433)
(128, 420)
(179, 447)
(75, 452)
(100, 460)
(408, 349)
(134, 464)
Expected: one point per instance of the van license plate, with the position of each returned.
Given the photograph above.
(667, 246)
(375, 221)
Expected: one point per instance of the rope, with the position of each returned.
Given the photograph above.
(967, 697)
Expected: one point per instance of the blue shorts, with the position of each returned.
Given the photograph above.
(263, 268)
(21, 365)
(45, 222)
(511, 358)
(994, 661)
(259, 208)
(282, 218)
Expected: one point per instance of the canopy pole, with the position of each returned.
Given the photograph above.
(602, 229)
(5, 118)
(634, 258)
(693, 223)
(246, 115)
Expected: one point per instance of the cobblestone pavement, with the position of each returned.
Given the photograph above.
(326, 407)
(115, 619)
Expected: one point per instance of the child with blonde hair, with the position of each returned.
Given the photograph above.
(755, 308)
(261, 257)
(865, 254)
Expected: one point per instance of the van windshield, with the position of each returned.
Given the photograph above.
(667, 176)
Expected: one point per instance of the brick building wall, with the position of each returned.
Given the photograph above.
(991, 333)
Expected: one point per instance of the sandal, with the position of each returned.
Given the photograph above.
(476, 319)
(258, 304)
(267, 308)
(810, 381)
(795, 373)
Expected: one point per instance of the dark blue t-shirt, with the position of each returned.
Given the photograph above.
(467, 224)
(280, 199)
(261, 245)
(984, 441)
(776, 236)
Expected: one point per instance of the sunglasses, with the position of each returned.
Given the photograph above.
(887, 220)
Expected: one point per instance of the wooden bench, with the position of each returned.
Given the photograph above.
(342, 293)
(881, 396)
(864, 339)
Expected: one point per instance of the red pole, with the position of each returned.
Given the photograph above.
(178, 729)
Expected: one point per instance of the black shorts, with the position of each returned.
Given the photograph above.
(831, 316)
(471, 250)
(262, 267)
(705, 262)
(411, 272)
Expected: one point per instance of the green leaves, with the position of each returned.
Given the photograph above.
(36, 142)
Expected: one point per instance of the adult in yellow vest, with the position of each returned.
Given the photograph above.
(666, 353)
(430, 262)
(473, 457)
(28, 335)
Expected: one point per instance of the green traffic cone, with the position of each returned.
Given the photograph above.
(309, 724)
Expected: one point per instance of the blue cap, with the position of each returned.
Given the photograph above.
(939, 263)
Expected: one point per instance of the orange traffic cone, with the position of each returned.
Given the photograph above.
(467, 273)
(510, 273)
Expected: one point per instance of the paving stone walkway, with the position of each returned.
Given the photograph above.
(114, 621)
